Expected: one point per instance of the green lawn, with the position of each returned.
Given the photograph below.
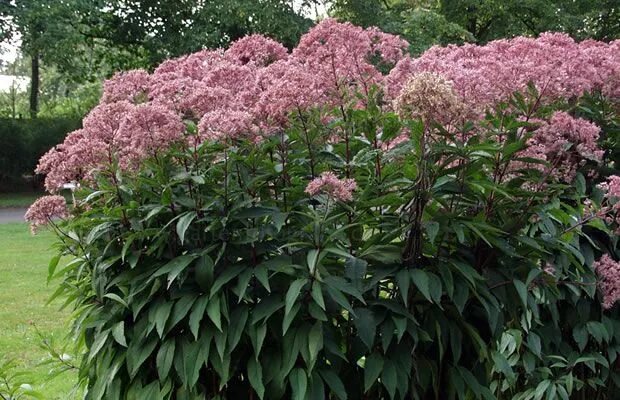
(23, 294)
(18, 199)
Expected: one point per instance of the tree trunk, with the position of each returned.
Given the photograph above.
(34, 85)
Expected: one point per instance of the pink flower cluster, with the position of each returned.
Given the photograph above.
(251, 90)
(558, 66)
(257, 50)
(132, 86)
(566, 143)
(44, 210)
(611, 210)
(245, 92)
(608, 271)
(329, 184)
(118, 133)
(341, 54)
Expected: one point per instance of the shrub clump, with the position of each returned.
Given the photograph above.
(253, 223)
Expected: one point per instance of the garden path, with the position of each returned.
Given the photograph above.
(12, 214)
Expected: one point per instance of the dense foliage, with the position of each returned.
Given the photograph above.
(428, 22)
(345, 222)
(24, 142)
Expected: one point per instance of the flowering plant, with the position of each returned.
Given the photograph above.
(345, 222)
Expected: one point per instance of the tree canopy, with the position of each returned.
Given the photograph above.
(85, 40)
(428, 22)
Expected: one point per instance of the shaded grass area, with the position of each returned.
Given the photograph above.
(25, 199)
(23, 294)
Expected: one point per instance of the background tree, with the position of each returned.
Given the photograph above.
(158, 29)
(85, 40)
(427, 22)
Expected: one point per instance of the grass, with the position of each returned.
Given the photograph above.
(8, 200)
(23, 294)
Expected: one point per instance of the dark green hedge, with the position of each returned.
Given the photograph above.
(24, 141)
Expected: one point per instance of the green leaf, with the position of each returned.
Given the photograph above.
(243, 283)
(339, 298)
(355, 270)
(372, 370)
(51, 268)
(522, 291)
(315, 340)
(257, 336)
(175, 267)
(98, 343)
(266, 308)
(299, 383)
(311, 259)
(225, 277)
(366, 326)
(117, 298)
(191, 366)
(165, 355)
(137, 353)
(255, 376)
(421, 280)
(180, 310)
(317, 294)
(118, 333)
(317, 388)
(344, 286)
(183, 223)
(237, 325)
(262, 276)
(254, 212)
(533, 342)
(580, 334)
(198, 311)
(288, 318)
(598, 331)
(204, 272)
(435, 287)
(389, 378)
(334, 383)
(403, 280)
(161, 315)
(293, 293)
(214, 312)
(432, 229)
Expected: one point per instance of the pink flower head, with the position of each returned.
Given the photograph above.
(390, 48)
(147, 129)
(342, 54)
(193, 66)
(558, 67)
(103, 121)
(172, 90)
(223, 125)
(44, 210)
(132, 86)
(608, 271)
(73, 160)
(328, 183)
(256, 49)
(611, 187)
(566, 143)
(203, 99)
(289, 87)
